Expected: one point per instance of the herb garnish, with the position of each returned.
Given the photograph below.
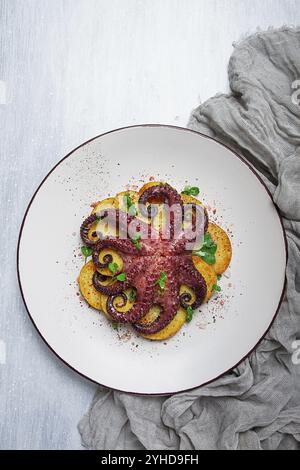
(136, 240)
(132, 210)
(190, 191)
(208, 250)
(189, 314)
(113, 267)
(121, 277)
(131, 295)
(216, 288)
(127, 200)
(86, 251)
(115, 325)
(129, 204)
(161, 281)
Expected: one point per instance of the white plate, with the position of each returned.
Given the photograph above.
(226, 329)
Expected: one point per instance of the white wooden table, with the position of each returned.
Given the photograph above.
(69, 70)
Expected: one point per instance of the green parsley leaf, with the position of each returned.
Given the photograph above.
(131, 295)
(161, 281)
(208, 250)
(216, 288)
(132, 210)
(113, 267)
(129, 205)
(136, 240)
(189, 314)
(208, 241)
(209, 258)
(121, 277)
(127, 200)
(115, 325)
(191, 191)
(86, 251)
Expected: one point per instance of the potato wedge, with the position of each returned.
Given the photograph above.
(171, 329)
(87, 289)
(224, 249)
(208, 274)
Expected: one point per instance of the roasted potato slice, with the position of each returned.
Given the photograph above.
(120, 202)
(116, 258)
(224, 249)
(190, 200)
(171, 329)
(108, 203)
(208, 274)
(87, 289)
(103, 305)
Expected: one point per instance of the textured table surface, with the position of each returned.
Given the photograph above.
(70, 70)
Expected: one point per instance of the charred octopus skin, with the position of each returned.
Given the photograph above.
(144, 264)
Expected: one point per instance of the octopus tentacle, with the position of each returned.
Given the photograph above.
(102, 277)
(131, 269)
(110, 301)
(185, 299)
(121, 246)
(191, 277)
(144, 299)
(169, 306)
(84, 230)
(115, 288)
(171, 197)
(139, 309)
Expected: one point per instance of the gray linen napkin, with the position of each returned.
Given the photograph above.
(257, 405)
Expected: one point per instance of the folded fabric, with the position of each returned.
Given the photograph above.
(257, 405)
